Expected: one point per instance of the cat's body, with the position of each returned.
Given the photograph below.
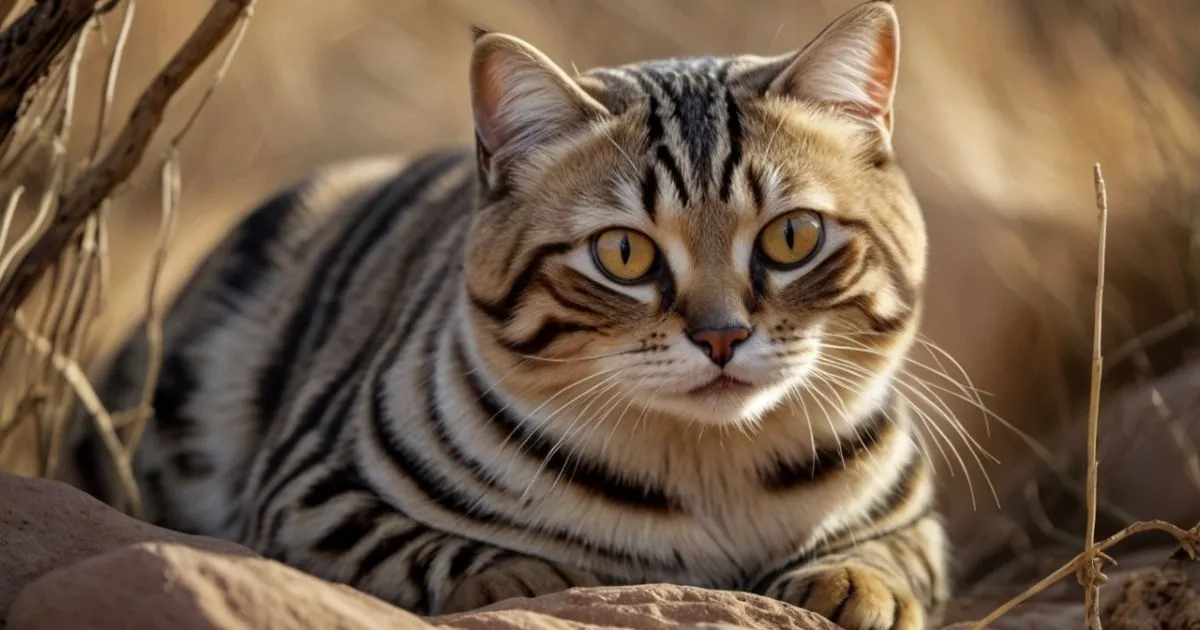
(646, 335)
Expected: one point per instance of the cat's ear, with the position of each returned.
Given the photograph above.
(851, 65)
(521, 99)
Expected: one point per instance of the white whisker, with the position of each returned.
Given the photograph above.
(930, 423)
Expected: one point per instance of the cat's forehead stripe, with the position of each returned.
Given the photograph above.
(693, 125)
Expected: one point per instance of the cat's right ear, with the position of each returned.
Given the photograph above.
(851, 66)
(521, 100)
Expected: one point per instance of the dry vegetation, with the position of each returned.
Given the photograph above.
(1002, 108)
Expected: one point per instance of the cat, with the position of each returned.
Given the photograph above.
(648, 332)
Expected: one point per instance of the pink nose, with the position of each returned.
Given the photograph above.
(720, 342)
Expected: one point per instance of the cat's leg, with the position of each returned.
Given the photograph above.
(513, 575)
(363, 544)
(896, 580)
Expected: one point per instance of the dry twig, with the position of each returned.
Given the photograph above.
(29, 47)
(1189, 540)
(110, 85)
(110, 79)
(170, 204)
(75, 375)
(1087, 565)
(10, 211)
(99, 181)
(1090, 575)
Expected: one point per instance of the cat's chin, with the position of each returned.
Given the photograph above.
(723, 401)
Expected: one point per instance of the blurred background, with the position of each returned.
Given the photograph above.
(1003, 108)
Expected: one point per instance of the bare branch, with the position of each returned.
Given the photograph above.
(1189, 541)
(29, 48)
(127, 150)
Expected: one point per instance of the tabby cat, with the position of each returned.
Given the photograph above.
(647, 333)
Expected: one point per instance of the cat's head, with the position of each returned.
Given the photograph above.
(710, 239)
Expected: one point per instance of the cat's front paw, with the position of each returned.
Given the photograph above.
(517, 576)
(854, 596)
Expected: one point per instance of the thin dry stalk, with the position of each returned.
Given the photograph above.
(110, 79)
(103, 272)
(58, 158)
(1090, 575)
(222, 69)
(154, 333)
(63, 137)
(47, 391)
(1087, 564)
(10, 211)
(170, 204)
(100, 180)
(86, 298)
(57, 175)
(75, 375)
(68, 333)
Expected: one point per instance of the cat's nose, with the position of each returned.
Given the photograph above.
(720, 342)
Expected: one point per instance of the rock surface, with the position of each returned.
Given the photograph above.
(648, 607)
(46, 525)
(78, 564)
(68, 561)
(170, 585)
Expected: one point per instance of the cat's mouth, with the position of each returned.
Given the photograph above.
(722, 385)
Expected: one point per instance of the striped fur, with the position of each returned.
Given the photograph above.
(414, 379)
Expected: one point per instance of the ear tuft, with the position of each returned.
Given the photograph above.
(521, 99)
(851, 65)
(477, 32)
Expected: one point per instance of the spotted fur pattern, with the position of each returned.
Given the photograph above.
(413, 378)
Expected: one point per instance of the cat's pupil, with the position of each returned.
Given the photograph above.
(789, 234)
(625, 249)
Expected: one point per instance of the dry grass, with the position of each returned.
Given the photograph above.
(999, 105)
(66, 234)
(1087, 565)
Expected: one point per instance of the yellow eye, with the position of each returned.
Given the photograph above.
(624, 255)
(791, 239)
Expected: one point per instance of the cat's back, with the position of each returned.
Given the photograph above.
(292, 293)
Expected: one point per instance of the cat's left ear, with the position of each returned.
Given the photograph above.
(521, 100)
(852, 65)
